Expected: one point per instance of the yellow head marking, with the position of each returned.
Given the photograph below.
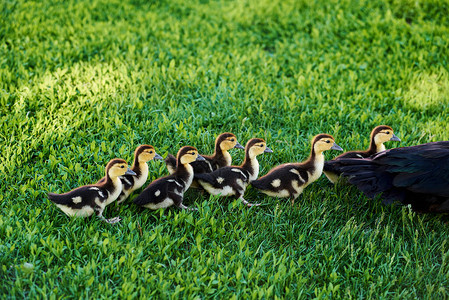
(118, 169)
(256, 149)
(383, 136)
(189, 156)
(147, 155)
(324, 144)
(228, 143)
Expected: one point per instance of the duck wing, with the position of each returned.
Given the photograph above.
(402, 173)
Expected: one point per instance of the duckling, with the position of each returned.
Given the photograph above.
(379, 135)
(142, 155)
(89, 199)
(416, 176)
(219, 159)
(169, 190)
(289, 180)
(233, 180)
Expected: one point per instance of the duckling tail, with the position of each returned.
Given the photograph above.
(258, 184)
(57, 198)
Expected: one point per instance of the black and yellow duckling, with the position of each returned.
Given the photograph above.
(233, 180)
(379, 135)
(89, 199)
(169, 190)
(416, 176)
(219, 159)
(142, 155)
(289, 180)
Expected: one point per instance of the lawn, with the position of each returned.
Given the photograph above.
(82, 82)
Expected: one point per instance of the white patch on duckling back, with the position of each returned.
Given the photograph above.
(172, 180)
(77, 199)
(220, 180)
(238, 171)
(157, 193)
(94, 188)
(276, 183)
(241, 172)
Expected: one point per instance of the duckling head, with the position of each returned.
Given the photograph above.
(227, 141)
(118, 167)
(256, 146)
(145, 153)
(382, 134)
(188, 154)
(323, 142)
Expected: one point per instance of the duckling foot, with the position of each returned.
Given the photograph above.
(111, 221)
(249, 204)
(182, 206)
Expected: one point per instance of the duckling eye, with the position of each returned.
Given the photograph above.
(232, 140)
(387, 132)
(151, 152)
(122, 167)
(328, 141)
(261, 145)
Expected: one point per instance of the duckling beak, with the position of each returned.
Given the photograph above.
(268, 150)
(157, 156)
(336, 147)
(200, 158)
(239, 146)
(395, 138)
(130, 172)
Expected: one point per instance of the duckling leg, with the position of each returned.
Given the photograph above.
(182, 206)
(177, 199)
(247, 203)
(112, 220)
(99, 212)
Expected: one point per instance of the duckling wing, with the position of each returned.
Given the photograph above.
(158, 190)
(224, 176)
(281, 177)
(204, 166)
(80, 196)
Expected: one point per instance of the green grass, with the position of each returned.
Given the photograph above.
(82, 82)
